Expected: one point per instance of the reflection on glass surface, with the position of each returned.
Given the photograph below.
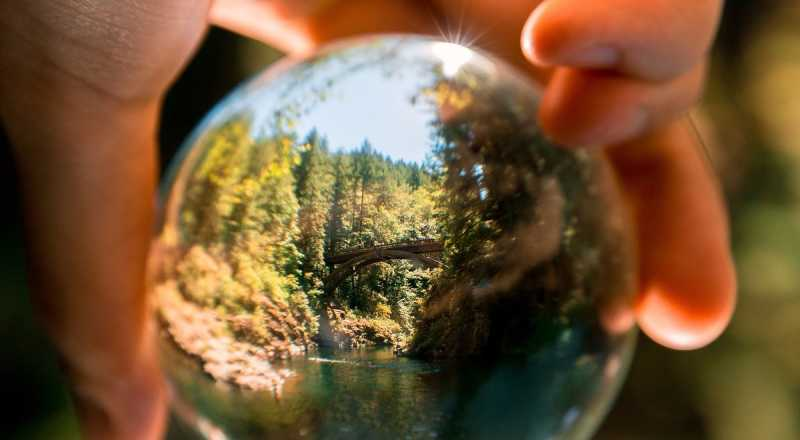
(378, 242)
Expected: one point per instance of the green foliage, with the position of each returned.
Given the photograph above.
(302, 312)
(201, 277)
(353, 331)
(262, 213)
(267, 210)
(514, 213)
(359, 199)
(314, 189)
(239, 213)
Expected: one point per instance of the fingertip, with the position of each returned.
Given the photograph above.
(529, 36)
(647, 40)
(679, 322)
(549, 38)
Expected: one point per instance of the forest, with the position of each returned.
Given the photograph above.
(270, 210)
(520, 236)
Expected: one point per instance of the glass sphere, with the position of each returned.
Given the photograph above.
(379, 242)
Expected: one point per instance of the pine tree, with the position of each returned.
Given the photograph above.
(314, 190)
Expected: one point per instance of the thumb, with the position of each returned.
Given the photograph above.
(88, 182)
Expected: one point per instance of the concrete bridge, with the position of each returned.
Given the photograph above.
(350, 261)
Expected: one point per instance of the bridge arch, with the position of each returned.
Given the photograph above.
(377, 255)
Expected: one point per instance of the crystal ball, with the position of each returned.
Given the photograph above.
(378, 241)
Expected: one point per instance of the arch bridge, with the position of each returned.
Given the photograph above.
(350, 261)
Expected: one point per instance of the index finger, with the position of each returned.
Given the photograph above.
(653, 40)
(299, 27)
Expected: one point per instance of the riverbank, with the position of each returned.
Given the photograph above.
(205, 335)
(346, 330)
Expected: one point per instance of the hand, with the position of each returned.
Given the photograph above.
(618, 73)
(81, 85)
(80, 90)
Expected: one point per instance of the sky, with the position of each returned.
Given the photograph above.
(366, 105)
(360, 104)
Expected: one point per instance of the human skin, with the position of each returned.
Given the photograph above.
(81, 87)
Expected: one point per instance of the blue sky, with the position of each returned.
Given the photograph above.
(366, 105)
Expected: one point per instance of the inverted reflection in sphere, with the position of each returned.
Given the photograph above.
(378, 242)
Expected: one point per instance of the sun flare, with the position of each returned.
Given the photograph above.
(453, 57)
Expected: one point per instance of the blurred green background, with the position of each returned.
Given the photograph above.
(744, 386)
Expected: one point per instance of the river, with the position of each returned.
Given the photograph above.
(374, 394)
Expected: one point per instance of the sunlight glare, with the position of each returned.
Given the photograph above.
(453, 57)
